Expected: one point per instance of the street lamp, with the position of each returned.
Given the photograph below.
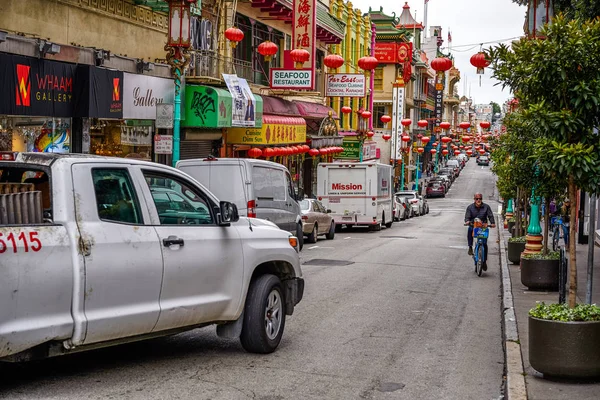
(539, 13)
(179, 40)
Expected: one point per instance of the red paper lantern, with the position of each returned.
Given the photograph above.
(313, 152)
(433, 151)
(405, 138)
(422, 123)
(323, 151)
(333, 61)
(386, 137)
(420, 150)
(366, 114)
(406, 122)
(446, 139)
(346, 110)
(268, 152)
(456, 152)
(485, 124)
(465, 125)
(268, 49)
(445, 152)
(425, 139)
(370, 134)
(385, 119)
(469, 152)
(368, 63)
(441, 64)
(299, 56)
(234, 35)
(255, 152)
(445, 125)
(465, 139)
(479, 61)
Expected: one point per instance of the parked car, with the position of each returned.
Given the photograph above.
(454, 164)
(316, 220)
(435, 188)
(425, 204)
(483, 160)
(449, 172)
(447, 180)
(259, 188)
(402, 209)
(415, 201)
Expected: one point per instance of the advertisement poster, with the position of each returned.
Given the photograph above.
(346, 85)
(242, 113)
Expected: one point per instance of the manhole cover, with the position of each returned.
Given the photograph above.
(322, 261)
(398, 237)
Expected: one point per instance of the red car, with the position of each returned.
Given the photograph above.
(435, 188)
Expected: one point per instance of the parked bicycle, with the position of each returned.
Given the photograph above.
(557, 223)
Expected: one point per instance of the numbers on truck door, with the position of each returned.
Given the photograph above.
(29, 241)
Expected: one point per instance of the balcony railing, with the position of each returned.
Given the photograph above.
(420, 97)
(210, 64)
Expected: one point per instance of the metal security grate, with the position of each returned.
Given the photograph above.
(21, 208)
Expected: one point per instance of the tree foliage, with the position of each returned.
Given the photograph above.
(586, 9)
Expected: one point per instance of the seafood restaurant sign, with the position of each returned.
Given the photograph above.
(345, 85)
(141, 94)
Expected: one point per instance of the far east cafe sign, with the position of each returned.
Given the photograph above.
(304, 34)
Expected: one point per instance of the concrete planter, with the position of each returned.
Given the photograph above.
(565, 349)
(514, 251)
(540, 274)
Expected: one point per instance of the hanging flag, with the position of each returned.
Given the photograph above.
(449, 37)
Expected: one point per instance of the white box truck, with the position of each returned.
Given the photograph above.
(357, 193)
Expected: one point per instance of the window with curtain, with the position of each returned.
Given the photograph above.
(378, 78)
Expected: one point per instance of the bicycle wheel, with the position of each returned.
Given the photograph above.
(555, 239)
(480, 258)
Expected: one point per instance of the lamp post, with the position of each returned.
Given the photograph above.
(179, 40)
(405, 138)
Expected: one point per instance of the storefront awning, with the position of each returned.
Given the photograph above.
(275, 130)
(314, 110)
(279, 106)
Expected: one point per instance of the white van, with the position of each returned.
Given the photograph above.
(259, 188)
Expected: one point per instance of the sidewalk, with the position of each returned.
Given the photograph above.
(523, 382)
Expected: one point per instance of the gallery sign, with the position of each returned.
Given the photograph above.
(99, 92)
(304, 31)
(141, 94)
(346, 85)
(292, 78)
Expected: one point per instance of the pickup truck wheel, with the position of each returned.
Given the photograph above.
(312, 238)
(331, 234)
(264, 315)
(300, 236)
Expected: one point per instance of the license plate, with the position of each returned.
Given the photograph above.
(346, 218)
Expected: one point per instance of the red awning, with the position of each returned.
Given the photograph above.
(314, 110)
(279, 120)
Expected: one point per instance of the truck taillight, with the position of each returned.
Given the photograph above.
(8, 156)
(373, 198)
(320, 198)
(252, 209)
(305, 217)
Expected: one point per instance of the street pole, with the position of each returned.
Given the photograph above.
(591, 244)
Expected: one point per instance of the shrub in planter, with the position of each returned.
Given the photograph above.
(511, 224)
(540, 271)
(516, 245)
(565, 342)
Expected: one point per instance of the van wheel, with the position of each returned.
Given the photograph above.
(264, 315)
(312, 238)
(331, 234)
(387, 225)
(300, 236)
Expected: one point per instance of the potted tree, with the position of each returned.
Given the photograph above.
(557, 82)
(516, 245)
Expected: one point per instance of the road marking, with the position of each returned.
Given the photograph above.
(320, 247)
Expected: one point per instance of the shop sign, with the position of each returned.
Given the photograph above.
(207, 107)
(164, 116)
(386, 53)
(397, 116)
(99, 92)
(163, 144)
(141, 94)
(269, 134)
(291, 78)
(404, 51)
(35, 86)
(243, 101)
(369, 151)
(351, 150)
(304, 32)
(346, 85)
(136, 135)
(439, 96)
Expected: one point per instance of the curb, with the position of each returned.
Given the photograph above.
(515, 376)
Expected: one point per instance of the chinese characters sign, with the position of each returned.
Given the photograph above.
(386, 53)
(304, 29)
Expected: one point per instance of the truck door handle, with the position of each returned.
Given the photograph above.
(172, 240)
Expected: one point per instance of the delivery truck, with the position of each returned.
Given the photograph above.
(357, 193)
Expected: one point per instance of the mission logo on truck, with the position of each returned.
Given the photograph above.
(349, 188)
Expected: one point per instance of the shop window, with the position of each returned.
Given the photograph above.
(115, 196)
(378, 78)
(177, 202)
(52, 135)
(122, 138)
(378, 111)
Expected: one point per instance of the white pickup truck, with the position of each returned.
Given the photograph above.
(98, 251)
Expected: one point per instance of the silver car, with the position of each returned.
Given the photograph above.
(316, 220)
(414, 199)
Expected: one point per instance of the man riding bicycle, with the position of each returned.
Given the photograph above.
(482, 211)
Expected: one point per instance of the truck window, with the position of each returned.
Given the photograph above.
(178, 203)
(25, 196)
(115, 196)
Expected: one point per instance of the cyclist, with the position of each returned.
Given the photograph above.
(482, 211)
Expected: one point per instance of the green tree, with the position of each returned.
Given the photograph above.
(557, 82)
(495, 107)
(585, 9)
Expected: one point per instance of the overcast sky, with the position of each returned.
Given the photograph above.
(470, 22)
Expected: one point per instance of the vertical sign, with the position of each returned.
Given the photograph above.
(304, 30)
(397, 115)
(438, 104)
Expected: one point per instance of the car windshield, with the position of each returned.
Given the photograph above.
(305, 205)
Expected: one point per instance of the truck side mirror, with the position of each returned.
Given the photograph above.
(228, 213)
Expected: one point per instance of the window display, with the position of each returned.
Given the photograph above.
(50, 135)
(122, 138)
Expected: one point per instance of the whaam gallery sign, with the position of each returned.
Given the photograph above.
(346, 85)
(282, 78)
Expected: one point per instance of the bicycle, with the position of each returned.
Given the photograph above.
(480, 233)
(556, 224)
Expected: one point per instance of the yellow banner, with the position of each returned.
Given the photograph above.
(269, 134)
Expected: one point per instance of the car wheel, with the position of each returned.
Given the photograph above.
(388, 224)
(338, 228)
(331, 234)
(312, 238)
(264, 315)
(300, 236)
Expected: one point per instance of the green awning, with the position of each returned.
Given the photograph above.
(331, 23)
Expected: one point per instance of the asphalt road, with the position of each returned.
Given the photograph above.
(395, 314)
